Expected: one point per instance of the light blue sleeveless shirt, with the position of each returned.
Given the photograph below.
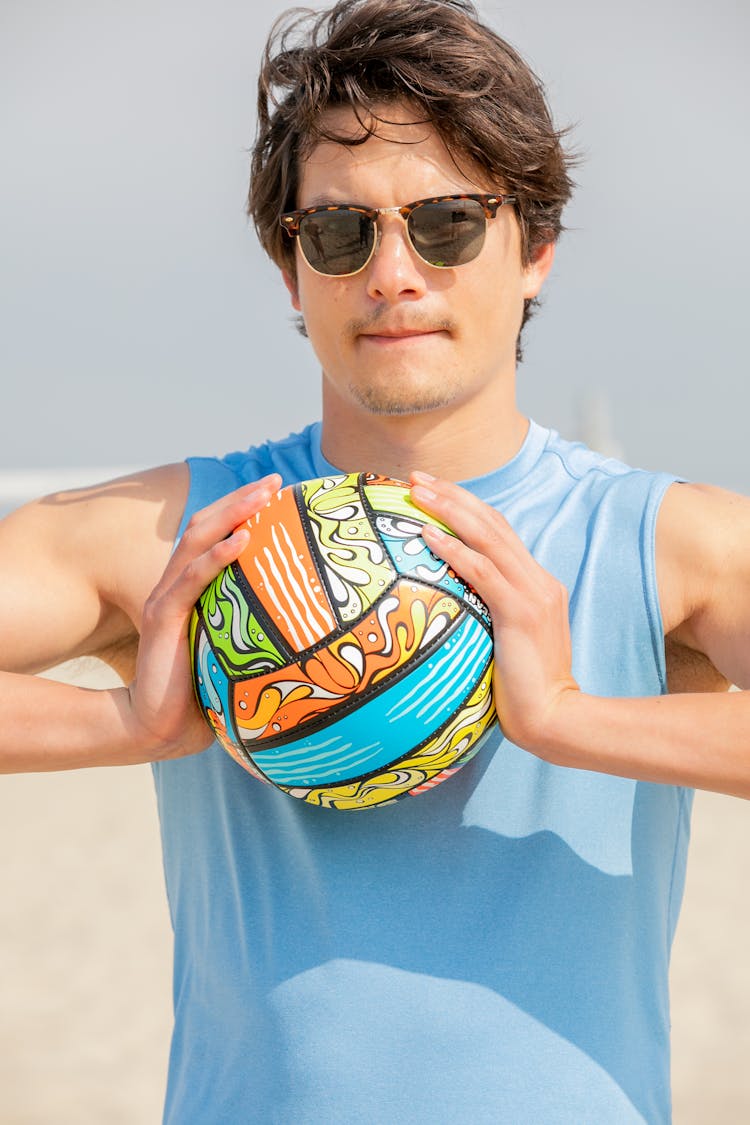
(495, 950)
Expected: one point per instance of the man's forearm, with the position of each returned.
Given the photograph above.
(53, 726)
(699, 740)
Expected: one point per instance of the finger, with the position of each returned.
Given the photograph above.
(246, 493)
(465, 509)
(213, 539)
(220, 519)
(474, 567)
(480, 527)
(175, 595)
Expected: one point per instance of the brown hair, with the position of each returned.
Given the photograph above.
(479, 95)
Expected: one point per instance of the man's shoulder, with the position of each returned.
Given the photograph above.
(580, 460)
(122, 530)
(125, 508)
(595, 484)
(85, 562)
(702, 544)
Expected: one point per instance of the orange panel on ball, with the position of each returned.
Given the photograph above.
(280, 569)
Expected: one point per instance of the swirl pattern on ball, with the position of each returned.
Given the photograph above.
(338, 659)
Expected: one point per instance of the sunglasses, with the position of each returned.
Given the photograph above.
(444, 231)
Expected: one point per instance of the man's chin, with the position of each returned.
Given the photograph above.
(376, 400)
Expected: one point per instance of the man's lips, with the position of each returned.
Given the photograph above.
(395, 334)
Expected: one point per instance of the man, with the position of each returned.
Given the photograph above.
(495, 950)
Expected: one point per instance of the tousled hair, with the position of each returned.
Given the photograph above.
(460, 77)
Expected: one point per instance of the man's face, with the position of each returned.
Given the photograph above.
(402, 336)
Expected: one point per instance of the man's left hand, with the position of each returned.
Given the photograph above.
(533, 680)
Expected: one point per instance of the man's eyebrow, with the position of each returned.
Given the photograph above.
(328, 201)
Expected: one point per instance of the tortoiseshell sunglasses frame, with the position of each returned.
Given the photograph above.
(290, 221)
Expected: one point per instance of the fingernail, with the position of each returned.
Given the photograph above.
(431, 532)
(421, 493)
(266, 484)
(424, 478)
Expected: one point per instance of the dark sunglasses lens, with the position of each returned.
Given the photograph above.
(336, 242)
(449, 233)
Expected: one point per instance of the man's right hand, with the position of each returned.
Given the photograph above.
(164, 713)
(89, 573)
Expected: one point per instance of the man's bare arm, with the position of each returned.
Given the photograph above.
(76, 567)
(88, 573)
(695, 738)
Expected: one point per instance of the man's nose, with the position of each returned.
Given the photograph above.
(395, 272)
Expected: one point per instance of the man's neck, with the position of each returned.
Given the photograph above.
(446, 443)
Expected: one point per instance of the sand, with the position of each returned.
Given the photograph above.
(85, 956)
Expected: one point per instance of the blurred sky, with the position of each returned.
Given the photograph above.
(141, 323)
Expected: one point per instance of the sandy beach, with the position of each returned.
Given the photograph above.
(85, 956)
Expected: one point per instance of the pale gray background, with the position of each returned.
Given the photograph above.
(133, 292)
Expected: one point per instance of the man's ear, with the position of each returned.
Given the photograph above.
(535, 273)
(291, 284)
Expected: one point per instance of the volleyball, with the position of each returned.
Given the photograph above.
(337, 658)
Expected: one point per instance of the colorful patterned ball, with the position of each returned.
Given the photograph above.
(338, 658)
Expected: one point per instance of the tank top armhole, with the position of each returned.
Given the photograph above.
(660, 483)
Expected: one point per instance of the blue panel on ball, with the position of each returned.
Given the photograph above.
(412, 557)
(389, 726)
(211, 681)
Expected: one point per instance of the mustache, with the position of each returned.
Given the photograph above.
(383, 318)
